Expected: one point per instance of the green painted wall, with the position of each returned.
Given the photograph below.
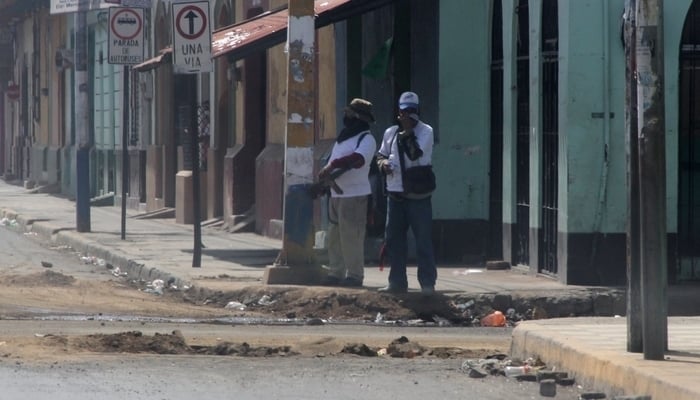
(674, 13)
(593, 192)
(461, 158)
(593, 189)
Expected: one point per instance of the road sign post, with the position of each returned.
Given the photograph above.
(192, 55)
(125, 47)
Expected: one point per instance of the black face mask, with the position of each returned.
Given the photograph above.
(353, 126)
(349, 122)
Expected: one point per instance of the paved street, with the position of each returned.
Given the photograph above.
(591, 349)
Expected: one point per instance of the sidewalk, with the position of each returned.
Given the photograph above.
(591, 349)
(161, 248)
(594, 351)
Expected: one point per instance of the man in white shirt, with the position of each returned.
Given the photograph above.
(409, 144)
(347, 209)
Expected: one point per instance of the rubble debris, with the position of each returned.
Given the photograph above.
(548, 388)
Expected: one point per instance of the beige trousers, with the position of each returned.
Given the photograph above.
(346, 236)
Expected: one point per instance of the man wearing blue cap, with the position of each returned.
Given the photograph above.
(408, 146)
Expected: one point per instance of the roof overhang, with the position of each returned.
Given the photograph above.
(270, 29)
(164, 56)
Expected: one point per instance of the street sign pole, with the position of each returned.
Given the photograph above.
(126, 47)
(82, 162)
(192, 55)
(125, 147)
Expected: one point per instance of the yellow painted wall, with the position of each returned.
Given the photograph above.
(326, 83)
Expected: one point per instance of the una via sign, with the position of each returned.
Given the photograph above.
(191, 37)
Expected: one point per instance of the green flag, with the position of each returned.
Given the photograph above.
(378, 66)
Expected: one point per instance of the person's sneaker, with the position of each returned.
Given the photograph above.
(393, 289)
(427, 290)
(330, 280)
(351, 282)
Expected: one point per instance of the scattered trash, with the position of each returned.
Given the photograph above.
(381, 352)
(118, 273)
(235, 305)
(266, 301)
(94, 261)
(8, 222)
(379, 319)
(440, 321)
(155, 287)
(533, 370)
(464, 306)
(468, 271)
(46, 264)
(495, 319)
(87, 259)
(513, 371)
(30, 234)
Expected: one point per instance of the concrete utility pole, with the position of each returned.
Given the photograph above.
(82, 164)
(652, 175)
(297, 246)
(634, 298)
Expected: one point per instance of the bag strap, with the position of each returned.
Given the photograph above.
(359, 140)
(401, 160)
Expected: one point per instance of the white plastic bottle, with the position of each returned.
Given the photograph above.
(512, 371)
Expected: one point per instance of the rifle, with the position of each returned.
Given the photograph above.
(323, 186)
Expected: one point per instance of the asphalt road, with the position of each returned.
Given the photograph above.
(22, 253)
(177, 377)
(129, 376)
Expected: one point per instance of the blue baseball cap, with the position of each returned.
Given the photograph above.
(408, 100)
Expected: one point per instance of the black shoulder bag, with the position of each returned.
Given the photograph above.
(416, 180)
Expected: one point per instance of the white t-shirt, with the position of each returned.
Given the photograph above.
(354, 182)
(390, 149)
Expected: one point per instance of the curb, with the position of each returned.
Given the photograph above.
(610, 371)
(62, 237)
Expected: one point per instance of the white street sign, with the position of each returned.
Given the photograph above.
(66, 6)
(191, 37)
(136, 3)
(126, 35)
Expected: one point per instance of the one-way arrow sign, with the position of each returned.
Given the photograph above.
(191, 16)
(192, 37)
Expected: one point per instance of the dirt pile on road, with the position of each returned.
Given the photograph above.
(45, 278)
(135, 342)
(296, 302)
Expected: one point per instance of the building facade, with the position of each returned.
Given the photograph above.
(527, 99)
